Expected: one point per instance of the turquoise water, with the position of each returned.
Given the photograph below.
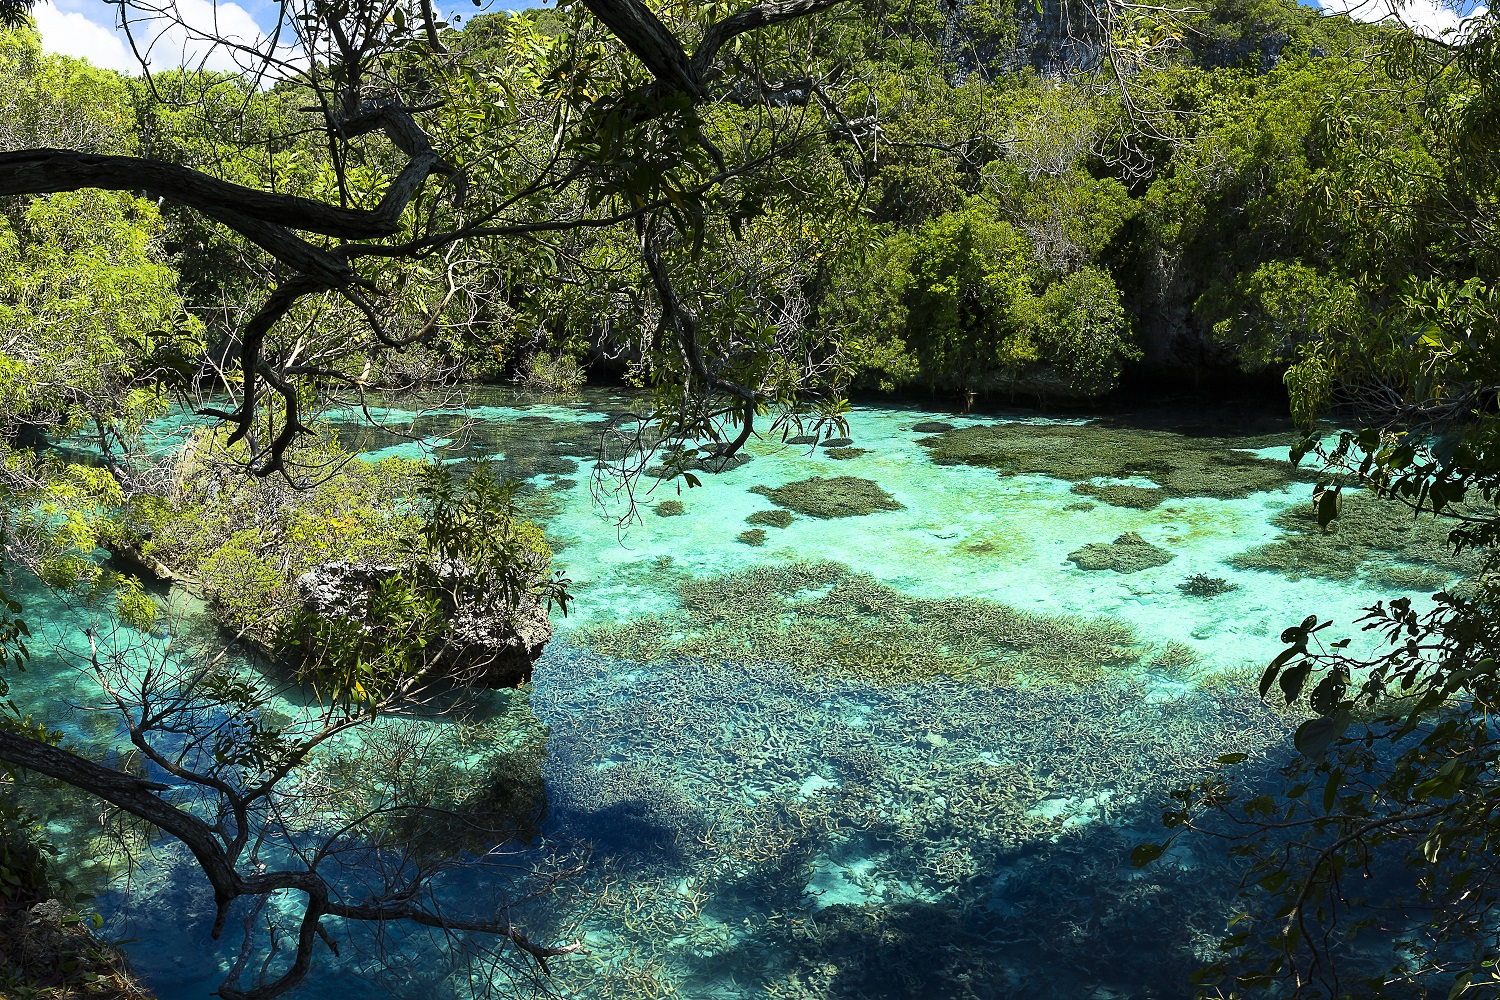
(903, 753)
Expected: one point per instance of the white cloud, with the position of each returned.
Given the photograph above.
(73, 34)
(1433, 18)
(168, 34)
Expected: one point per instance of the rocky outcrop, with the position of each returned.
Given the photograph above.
(482, 646)
(50, 950)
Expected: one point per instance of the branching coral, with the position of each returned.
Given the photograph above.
(771, 518)
(843, 454)
(1205, 586)
(669, 508)
(752, 536)
(841, 496)
(826, 620)
(1123, 495)
(1130, 553)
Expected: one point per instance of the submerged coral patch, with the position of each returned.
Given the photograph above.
(1182, 465)
(1367, 535)
(1130, 553)
(840, 496)
(824, 619)
(836, 442)
(842, 454)
(931, 427)
(1123, 494)
(771, 518)
(752, 536)
(1205, 586)
(669, 508)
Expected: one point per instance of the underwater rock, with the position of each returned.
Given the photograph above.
(836, 443)
(481, 648)
(841, 496)
(932, 427)
(1130, 553)
(803, 439)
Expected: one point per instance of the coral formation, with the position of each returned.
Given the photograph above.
(956, 815)
(1203, 585)
(752, 536)
(1369, 530)
(931, 427)
(1123, 494)
(771, 518)
(836, 442)
(1423, 579)
(842, 454)
(1129, 553)
(823, 619)
(840, 496)
(1183, 465)
(669, 508)
(1174, 660)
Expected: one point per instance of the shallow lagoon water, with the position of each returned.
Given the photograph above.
(765, 827)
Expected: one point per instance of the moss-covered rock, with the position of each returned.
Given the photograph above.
(1130, 553)
(771, 518)
(1182, 465)
(840, 496)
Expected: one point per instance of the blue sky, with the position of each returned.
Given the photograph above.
(87, 28)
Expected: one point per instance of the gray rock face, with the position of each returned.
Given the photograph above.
(481, 648)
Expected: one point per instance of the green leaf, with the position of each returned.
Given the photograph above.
(1230, 758)
(1144, 854)
(1315, 736)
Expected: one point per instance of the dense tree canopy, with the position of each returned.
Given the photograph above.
(747, 212)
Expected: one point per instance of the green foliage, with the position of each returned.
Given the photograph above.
(93, 313)
(841, 496)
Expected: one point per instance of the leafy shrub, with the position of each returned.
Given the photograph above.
(559, 373)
